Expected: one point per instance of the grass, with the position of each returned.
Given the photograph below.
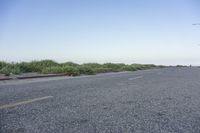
(68, 68)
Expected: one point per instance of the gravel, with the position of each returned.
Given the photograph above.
(154, 101)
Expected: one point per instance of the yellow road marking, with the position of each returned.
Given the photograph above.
(25, 102)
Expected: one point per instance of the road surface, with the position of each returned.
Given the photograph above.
(150, 101)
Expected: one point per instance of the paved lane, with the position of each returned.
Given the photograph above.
(151, 101)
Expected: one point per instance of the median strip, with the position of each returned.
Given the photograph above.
(25, 102)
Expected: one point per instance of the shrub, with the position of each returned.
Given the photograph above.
(180, 66)
(3, 64)
(92, 65)
(86, 70)
(128, 68)
(138, 66)
(68, 70)
(10, 69)
(102, 70)
(38, 66)
(24, 67)
(5, 70)
(70, 64)
(148, 66)
(114, 67)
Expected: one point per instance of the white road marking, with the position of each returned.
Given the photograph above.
(25, 102)
(139, 77)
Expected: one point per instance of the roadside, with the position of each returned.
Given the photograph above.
(28, 76)
(54, 78)
(49, 68)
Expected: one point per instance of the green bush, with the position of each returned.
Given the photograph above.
(68, 70)
(38, 66)
(128, 68)
(102, 70)
(86, 70)
(25, 67)
(138, 66)
(92, 65)
(5, 71)
(148, 66)
(3, 64)
(10, 69)
(114, 67)
(70, 64)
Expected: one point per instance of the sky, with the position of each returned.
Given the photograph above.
(118, 31)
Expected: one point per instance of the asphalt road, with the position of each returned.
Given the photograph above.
(150, 101)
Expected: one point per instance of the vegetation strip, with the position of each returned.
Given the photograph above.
(68, 68)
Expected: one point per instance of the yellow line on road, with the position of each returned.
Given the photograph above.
(25, 102)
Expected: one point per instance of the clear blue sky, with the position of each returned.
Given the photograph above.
(127, 31)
